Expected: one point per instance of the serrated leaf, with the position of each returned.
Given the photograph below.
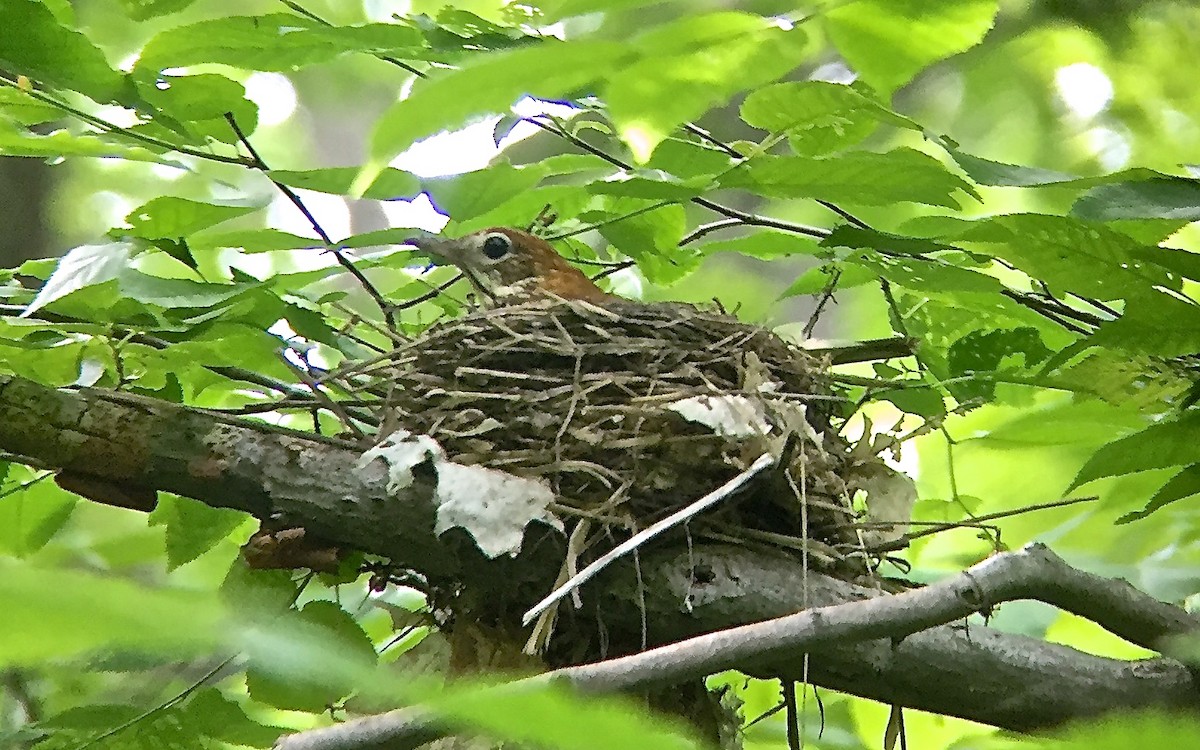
(1162, 445)
(1161, 198)
(652, 239)
(170, 217)
(693, 64)
(1184, 484)
(982, 353)
(1069, 254)
(33, 43)
(887, 42)
(857, 238)
(30, 517)
(857, 178)
(494, 82)
(819, 117)
(391, 184)
(192, 528)
(81, 267)
(274, 42)
(766, 245)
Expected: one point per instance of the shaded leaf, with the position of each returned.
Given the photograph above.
(1184, 484)
(391, 183)
(192, 528)
(1171, 443)
(1162, 198)
(652, 239)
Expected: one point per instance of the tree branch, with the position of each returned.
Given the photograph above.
(297, 479)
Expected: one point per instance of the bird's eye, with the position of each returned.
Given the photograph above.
(496, 246)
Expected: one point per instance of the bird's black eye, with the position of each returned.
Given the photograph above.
(496, 246)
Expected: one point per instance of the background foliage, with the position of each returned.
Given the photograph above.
(1006, 182)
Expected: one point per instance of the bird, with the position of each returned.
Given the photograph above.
(510, 265)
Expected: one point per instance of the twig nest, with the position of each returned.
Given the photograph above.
(629, 411)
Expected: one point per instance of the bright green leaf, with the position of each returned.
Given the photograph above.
(389, 185)
(887, 42)
(652, 239)
(857, 178)
(170, 217)
(81, 267)
(192, 528)
(1159, 446)
(30, 517)
(33, 43)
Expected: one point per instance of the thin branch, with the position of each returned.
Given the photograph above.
(1032, 573)
(385, 307)
(632, 543)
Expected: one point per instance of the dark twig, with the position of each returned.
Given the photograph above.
(385, 307)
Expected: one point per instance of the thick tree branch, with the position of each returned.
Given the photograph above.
(770, 648)
(294, 479)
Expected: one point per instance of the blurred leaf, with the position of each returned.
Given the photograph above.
(23, 109)
(170, 217)
(554, 10)
(44, 609)
(491, 83)
(33, 43)
(16, 141)
(819, 117)
(275, 42)
(81, 267)
(30, 517)
(887, 42)
(142, 10)
(389, 185)
(1184, 484)
(1163, 198)
(856, 178)
(691, 65)
(297, 681)
(565, 721)
(213, 715)
(1169, 443)
(192, 528)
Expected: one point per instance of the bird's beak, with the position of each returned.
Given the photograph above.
(441, 249)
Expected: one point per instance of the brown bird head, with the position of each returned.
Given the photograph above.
(506, 263)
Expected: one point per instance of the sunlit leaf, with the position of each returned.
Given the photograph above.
(887, 42)
(192, 528)
(141, 10)
(82, 267)
(33, 43)
(197, 105)
(172, 217)
(652, 239)
(1163, 198)
(30, 517)
(389, 185)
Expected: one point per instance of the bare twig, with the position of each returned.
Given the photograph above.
(640, 538)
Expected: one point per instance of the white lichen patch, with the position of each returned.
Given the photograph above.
(728, 415)
(493, 506)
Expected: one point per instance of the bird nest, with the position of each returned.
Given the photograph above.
(629, 412)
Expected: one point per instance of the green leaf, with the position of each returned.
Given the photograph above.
(988, 172)
(253, 241)
(1162, 198)
(193, 528)
(1184, 484)
(275, 42)
(195, 106)
(766, 245)
(30, 517)
(1155, 324)
(819, 117)
(213, 715)
(16, 141)
(491, 83)
(82, 267)
(40, 623)
(692, 65)
(887, 42)
(170, 217)
(389, 185)
(34, 44)
(23, 109)
(652, 239)
(840, 274)
(652, 184)
(857, 178)
(471, 194)
(291, 682)
(1173, 443)
(994, 351)
(923, 401)
(858, 238)
(555, 10)
(1069, 254)
(142, 10)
